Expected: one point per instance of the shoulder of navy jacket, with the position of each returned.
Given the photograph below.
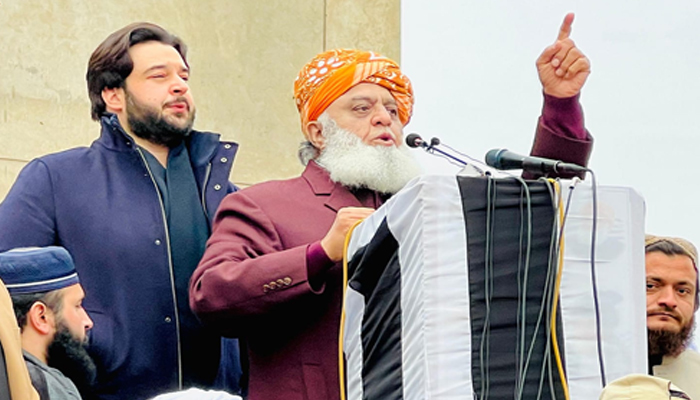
(206, 147)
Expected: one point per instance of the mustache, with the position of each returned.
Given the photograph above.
(179, 99)
(665, 311)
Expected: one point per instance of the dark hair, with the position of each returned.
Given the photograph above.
(110, 63)
(672, 249)
(22, 303)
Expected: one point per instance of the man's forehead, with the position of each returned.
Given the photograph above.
(368, 91)
(74, 291)
(665, 267)
(153, 55)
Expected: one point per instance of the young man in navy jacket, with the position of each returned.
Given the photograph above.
(134, 209)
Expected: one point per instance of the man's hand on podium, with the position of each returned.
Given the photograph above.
(334, 240)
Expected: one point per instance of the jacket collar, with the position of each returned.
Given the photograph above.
(338, 196)
(113, 136)
(202, 146)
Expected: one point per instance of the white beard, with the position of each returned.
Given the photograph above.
(355, 164)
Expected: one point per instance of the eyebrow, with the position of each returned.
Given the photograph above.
(681, 283)
(361, 98)
(371, 100)
(163, 66)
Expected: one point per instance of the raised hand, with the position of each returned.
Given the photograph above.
(562, 67)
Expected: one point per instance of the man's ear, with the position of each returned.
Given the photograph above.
(314, 131)
(115, 99)
(41, 318)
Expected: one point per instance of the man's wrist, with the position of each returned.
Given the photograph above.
(564, 116)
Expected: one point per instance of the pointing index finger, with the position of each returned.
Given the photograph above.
(565, 29)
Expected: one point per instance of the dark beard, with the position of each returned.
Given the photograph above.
(68, 355)
(149, 125)
(667, 343)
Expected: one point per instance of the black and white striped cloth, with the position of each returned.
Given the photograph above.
(439, 304)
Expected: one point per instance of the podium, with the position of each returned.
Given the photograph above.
(454, 292)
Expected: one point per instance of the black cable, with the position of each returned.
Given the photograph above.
(432, 149)
(463, 154)
(518, 326)
(596, 304)
(524, 293)
(488, 254)
(551, 284)
(563, 222)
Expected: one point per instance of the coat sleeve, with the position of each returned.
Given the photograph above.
(561, 134)
(246, 273)
(27, 215)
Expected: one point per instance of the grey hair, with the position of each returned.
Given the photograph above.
(307, 151)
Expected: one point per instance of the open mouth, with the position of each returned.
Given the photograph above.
(386, 138)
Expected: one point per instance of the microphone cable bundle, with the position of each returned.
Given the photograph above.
(502, 159)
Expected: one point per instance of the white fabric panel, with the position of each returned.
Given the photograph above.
(435, 304)
(355, 308)
(621, 282)
(353, 340)
(427, 220)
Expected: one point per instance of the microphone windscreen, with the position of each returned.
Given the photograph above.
(413, 140)
(493, 158)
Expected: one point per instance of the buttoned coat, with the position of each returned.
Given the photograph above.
(254, 276)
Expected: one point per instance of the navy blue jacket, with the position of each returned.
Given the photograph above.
(102, 205)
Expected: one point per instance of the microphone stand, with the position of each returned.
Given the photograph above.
(414, 140)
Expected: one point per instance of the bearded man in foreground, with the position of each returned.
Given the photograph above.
(672, 299)
(47, 300)
(271, 272)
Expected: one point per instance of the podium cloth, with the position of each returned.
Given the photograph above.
(450, 283)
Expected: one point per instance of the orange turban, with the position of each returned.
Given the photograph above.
(332, 73)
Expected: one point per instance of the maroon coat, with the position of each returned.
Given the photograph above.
(253, 281)
(261, 236)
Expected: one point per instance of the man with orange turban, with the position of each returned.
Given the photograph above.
(271, 272)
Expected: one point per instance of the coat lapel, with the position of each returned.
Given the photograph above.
(337, 196)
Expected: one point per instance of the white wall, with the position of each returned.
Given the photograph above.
(473, 67)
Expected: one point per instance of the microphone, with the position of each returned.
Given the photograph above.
(504, 159)
(414, 140)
